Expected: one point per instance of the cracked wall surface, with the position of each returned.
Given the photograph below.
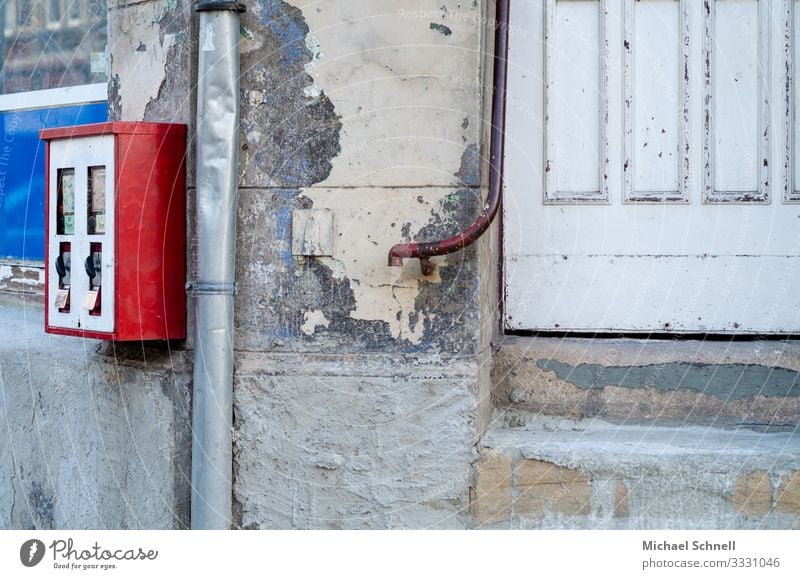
(97, 435)
(91, 436)
(388, 140)
(358, 394)
(360, 389)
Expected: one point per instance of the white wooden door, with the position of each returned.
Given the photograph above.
(653, 166)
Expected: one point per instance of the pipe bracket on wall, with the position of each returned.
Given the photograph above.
(196, 288)
(216, 5)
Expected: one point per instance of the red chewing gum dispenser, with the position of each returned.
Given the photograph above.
(115, 255)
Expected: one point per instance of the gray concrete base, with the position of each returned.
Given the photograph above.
(354, 441)
(91, 435)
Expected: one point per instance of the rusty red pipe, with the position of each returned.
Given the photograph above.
(424, 251)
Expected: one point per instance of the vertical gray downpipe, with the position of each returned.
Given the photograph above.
(214, 288)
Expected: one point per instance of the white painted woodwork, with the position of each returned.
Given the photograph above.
(575, 101)
(791, 57)
(651, 204)
(656, 105)
(737, 127)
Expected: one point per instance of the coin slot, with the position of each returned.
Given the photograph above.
(64, 271)
(94, 270)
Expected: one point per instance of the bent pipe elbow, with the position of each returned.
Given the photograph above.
(425, 250)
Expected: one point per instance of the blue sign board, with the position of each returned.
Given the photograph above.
(22, 174)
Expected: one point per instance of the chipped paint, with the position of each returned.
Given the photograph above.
(140, 61)
(382, 293)
(22, 277)
(790, 193)
(312, 91)
(728, 382)
(246, 33)
(682, 90)
(713, 102)
(445, 30)
(313, 320)
(171, 5)
(554, 93)
(303, 133)
(401, 91)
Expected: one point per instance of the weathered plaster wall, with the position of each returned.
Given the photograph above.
(94, 435)
(90, 436)
(372, 112)
(150, 43)
(589, 474)
(26, 277)
(360, 389)
(358, 394)
(388, 139)
(353, 442)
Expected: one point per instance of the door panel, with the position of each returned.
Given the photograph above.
(737, 98)
(656, 101)
(575, 102)
(792, 58)
(646, 143)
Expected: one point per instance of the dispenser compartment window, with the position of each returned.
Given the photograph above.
(96, 200)
(65, 221)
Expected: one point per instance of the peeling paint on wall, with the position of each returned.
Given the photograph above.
(22, 277)
(289, 128)
(381, 293)
(380, 360)
(312, 91)
(401, 91)
(314, 129)
(727, 382)
(313, 320)
(368, 218)
(147, 41)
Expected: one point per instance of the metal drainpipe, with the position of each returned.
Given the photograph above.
(214, 288)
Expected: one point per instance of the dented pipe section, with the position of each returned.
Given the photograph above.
(424, 251)
(213, 291)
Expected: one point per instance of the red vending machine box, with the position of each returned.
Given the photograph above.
(116, 231)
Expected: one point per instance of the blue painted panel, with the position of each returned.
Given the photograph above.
(22, 174)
